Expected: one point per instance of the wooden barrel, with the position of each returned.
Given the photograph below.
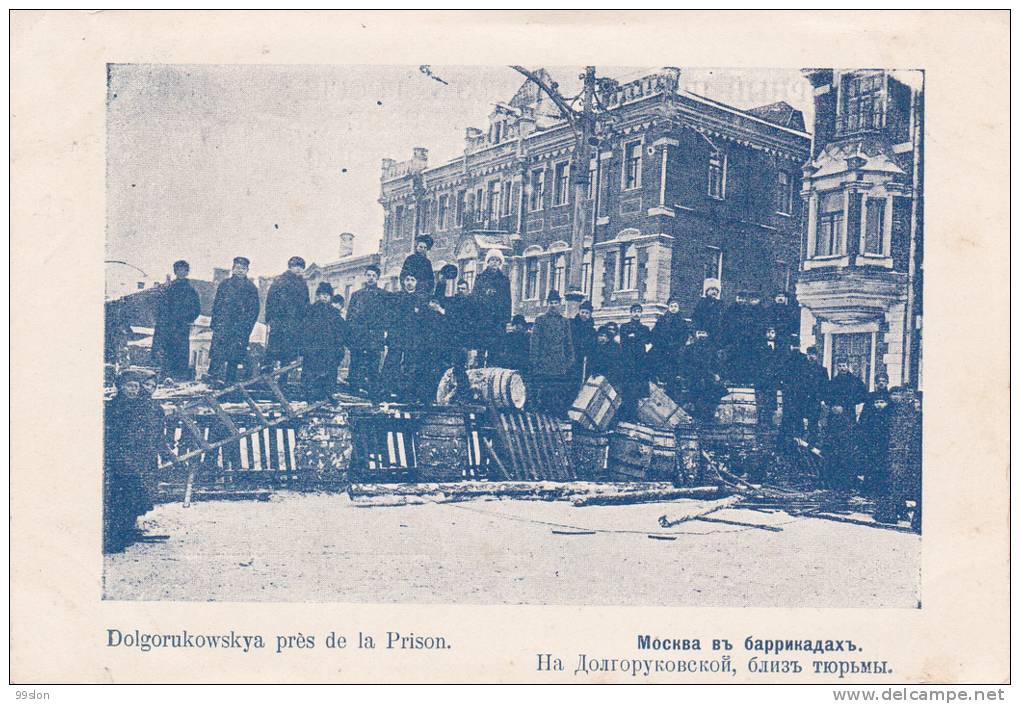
(596, 405)
(441, 446)
(737, 406)
(641, 453)
(659, 410)
(504, 387)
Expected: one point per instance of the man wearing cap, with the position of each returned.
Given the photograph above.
(582, 332)
(420, 267)
(409, 322)
(492, 291)
(235, 310)
(552, 357)
(804, 383)
(177, 309)
(324, 339)
(634, 340)
(366, 316)
(784, 316)
(286, 306)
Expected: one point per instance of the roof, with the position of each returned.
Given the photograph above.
(780, 113)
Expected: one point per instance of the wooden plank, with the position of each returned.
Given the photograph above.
(533, 470)
(561, 449)
(221, 415)
(544, 468)
(514, 446)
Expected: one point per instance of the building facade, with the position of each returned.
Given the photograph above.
(680, 189)
(860, 281)
(346, 274)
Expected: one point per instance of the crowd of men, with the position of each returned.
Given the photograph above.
(401, 342)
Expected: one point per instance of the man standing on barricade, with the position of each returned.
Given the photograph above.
(582, 332)
(419, 266)
(404, 371)
(552, 358)
(366, 317)
(177, 309)
(324, 339)
(235, 310)
(669, 337)
(286, 306)
(634, 339)
(492, 293)
(708, 312)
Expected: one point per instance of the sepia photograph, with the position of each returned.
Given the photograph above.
(489, 334)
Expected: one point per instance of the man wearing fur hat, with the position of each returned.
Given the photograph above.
(582, 331)
(708, 311)
(420, 267)
(286, 305)
(325, 337)
(492, 291)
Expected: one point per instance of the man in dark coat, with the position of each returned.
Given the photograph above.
(582, 332)
(770, 363)
(669, 337)
(708, 312)
(404, 370)
(836, 441)
(420, 267)
(739, 338)
(462, 319)
(605, 357)
(492, 292)
(872, 440)
(286, 306)
(803, 382)
(516, 346)
(634, 340)
(846, 390)
(133, 438)
(701, 378)
(366, 316)
(784, 316)
(324, 337)
(235, 310)
(177, 309)
(552, 358)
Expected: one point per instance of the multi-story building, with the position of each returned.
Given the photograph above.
(860, 270)
(681, 188)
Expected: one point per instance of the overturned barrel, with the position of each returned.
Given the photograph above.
(504, 387)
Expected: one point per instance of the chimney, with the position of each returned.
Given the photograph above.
(421, 154)
(346, 244)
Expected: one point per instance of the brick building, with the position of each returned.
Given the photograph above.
(687, 189)
(860, 279)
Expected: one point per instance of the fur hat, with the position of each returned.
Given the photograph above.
(296, 261)
(324, 287)
(427, 239)
(495, 254)
(586, 306)
(711, 283)
(449, 271)
(554, 297)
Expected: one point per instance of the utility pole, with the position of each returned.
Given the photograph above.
(582, 123)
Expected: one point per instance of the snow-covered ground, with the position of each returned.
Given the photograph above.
(325, 548)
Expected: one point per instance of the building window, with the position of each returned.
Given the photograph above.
(593, 174)
(784, 195)
(508, 202)
(537, 190)
(559, 268)
(479, 203)
(874, 226)
(492, 211)
(627, 268)
(829, 232)
(863, 103)
(586, 273)
(632, 166)
(398, 221)
(713, 263)
(717, 175)
(461, 207)
(444, 212)
(560, 196)
(426, 216)
(531, 278)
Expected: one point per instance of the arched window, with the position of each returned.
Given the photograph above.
(557, 272)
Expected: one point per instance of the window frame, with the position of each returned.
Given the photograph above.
(529, 262)
(536, 195)
(723, 167)
(561, 183)
(866, 220)
(784, 194)
(639, 145)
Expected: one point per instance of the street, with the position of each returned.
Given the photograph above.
(325, 548)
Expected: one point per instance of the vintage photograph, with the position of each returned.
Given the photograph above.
(589, 335)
